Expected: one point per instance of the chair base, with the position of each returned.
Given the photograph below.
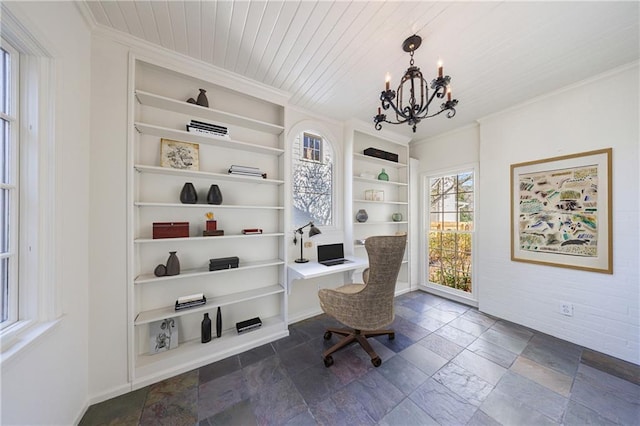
(351, 336)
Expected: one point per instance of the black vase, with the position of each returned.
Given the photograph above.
(173, 264)
(214, 196)
(202, 99)
(188, 195)
(219, 323)
(206, 329)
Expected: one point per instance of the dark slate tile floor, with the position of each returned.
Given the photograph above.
(448, 365)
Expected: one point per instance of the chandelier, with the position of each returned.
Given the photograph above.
(411, 109)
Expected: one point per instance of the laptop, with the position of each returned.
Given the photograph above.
(331, 254)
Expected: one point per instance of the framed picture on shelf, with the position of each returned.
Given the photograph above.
(561, 211)
(163, 335)
(179, 155)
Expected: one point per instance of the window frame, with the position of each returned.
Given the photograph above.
(12, 185)
(440, 289)
(39, 292)
(299, 133)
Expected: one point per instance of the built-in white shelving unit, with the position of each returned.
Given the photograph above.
(257, 288)
(363, 170)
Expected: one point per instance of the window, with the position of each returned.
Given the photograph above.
(450, 234)
(312, 180)
(9, 59)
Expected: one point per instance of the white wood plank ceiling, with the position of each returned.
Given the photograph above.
(332, 56)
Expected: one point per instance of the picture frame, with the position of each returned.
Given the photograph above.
(561, 211)
(179, 155)
(163, 335)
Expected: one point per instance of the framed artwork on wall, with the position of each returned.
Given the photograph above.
(561, 211)
(179, 155)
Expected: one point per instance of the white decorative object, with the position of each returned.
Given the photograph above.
(374, 195)
(163, 335)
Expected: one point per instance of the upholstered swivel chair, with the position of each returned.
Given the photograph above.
(366, 308)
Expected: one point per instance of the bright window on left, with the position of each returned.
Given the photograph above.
(9, 200)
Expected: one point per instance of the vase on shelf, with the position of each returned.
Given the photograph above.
(202, 99)
(160, 271)
(362, 216)
(188, 195)
(383, 175)
(206, 329)
(173, 264)
(214, 196)
(219, 323)
(396, 217)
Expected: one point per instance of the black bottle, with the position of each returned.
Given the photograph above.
(206, 329)
(219, 323)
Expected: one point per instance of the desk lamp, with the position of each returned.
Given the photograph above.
(312, 231)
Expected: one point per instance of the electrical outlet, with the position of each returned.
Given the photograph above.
(566, 308)
(308, 244)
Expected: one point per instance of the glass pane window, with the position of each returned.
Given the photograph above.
(312, 182)
(450, 234)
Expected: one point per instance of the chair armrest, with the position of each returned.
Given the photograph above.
(365, 275)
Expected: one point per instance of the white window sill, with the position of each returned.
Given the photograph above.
(20, 336)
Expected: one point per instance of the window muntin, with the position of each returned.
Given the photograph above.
(312, 180)
(451, 219)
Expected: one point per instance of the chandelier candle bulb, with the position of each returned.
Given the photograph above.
(387, 81)
(449, 93)
(439, 68)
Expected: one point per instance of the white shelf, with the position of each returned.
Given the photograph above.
(199, 239)
(384, 182)
(190, 273)
(184, 136)
(159, 314)
(157, 101)
(375, 160)
(404, 203)
(208, 206)
(206, 175)
(193, 354)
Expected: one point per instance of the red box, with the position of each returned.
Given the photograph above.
(170, 230)
(212, 225)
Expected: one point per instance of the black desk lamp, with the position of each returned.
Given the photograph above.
(312, 231)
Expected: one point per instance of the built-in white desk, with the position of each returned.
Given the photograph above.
(311, 269)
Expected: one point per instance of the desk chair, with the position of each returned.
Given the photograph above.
(366, 308)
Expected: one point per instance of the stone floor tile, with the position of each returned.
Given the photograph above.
(238, 414)
(407, 413)
(487, 370)
(467, 326)
(427, 361)
(218, 369)
(351, 366)
(610, 397)
(463, 383)
(479, 318)
(440, 315)
(410, 329)
(256, 354)
(451, 306)
(556, 381)
(455, 335)
(443, 347)
(300, 358)
(511, 342)
(480, 418)
(222, 393)
(441, 404)
(331, 412)
(403, 374)
(493, 352)
(180, 409)
(399, 343)
(509, 411)
(316, 383)
(170, 387)
(121, 410)
(262, 375)
(535, 396)
(553, 354)
(579, 415)
(278, 403)
(374, 392)
(429, 323)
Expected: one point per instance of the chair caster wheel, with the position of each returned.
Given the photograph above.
(327, 335)
(392, 336)
(328, 361)
(376, 361)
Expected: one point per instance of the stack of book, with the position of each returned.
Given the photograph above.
(190, 301)
(246, 171)
(207, 128)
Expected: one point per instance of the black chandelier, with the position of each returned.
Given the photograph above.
(409, 110)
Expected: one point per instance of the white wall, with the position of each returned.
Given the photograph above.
(597, 114)
(448, 150)
(46, 383)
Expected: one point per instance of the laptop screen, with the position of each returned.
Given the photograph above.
(330, 252)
